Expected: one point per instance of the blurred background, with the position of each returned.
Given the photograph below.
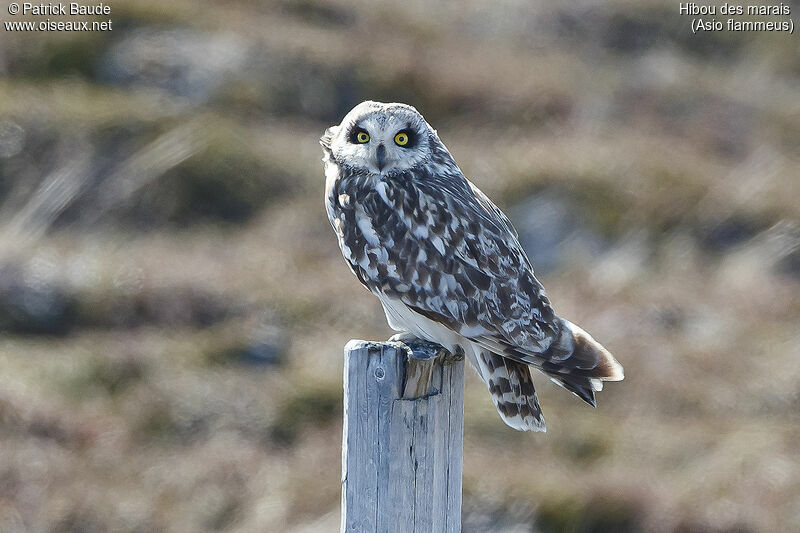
(173, 305)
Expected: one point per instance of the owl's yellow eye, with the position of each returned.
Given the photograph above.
(362, 137)
(401, 139)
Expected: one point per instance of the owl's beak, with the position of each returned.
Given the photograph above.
(380, 154)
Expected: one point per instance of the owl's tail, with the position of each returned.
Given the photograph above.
(579, 363)
(511, 386)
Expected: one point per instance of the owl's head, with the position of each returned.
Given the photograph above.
(380, 138)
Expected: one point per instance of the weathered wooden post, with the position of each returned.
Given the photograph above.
(403, 438)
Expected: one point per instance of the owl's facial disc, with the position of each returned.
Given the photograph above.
(382, 138)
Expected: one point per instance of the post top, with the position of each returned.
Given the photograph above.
(421, 363)
(414, 350)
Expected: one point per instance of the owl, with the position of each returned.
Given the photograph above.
(446, 263)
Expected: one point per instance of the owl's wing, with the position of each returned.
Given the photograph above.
(509, 312)
(439, 245)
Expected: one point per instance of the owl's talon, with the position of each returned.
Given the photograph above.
(457, 355)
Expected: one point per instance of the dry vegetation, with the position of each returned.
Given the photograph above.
(173, 305)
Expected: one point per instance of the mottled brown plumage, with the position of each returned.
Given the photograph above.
(446, 263)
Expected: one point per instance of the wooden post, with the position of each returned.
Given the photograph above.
(403, 438)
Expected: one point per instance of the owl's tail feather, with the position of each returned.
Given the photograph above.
(511, 386)
(580, 364)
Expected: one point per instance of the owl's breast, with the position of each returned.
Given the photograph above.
(372, 235)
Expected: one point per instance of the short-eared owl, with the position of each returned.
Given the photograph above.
(446, 263)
